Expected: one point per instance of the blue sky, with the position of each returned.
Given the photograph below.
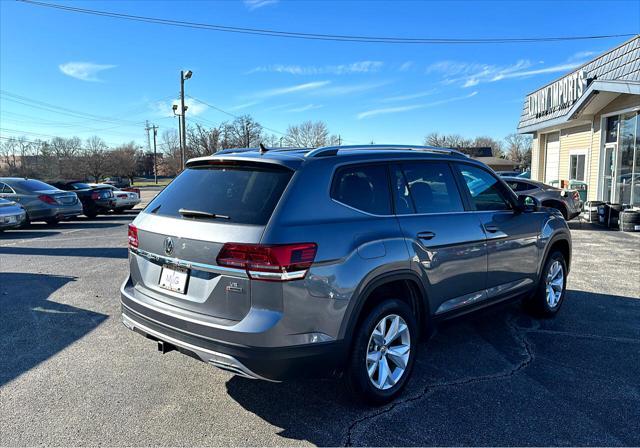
(129, 71)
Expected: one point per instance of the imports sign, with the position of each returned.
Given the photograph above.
(559, 95)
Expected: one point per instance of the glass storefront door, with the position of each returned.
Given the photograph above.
(608, 172)
(620, 174)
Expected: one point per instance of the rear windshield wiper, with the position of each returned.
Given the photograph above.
(200, 214)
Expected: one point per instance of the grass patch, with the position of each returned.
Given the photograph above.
(151, 183)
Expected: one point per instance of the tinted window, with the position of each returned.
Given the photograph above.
(5, 188)
(247, 195)
(363, 187)
(484, 189)
(429, 188)
(33, 185)
(519, 186)
(80, 186)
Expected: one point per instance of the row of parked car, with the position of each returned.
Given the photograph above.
(24, 200)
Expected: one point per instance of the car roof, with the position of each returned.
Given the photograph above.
(296, 157)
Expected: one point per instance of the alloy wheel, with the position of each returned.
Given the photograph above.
(554, 283)
(388, 351)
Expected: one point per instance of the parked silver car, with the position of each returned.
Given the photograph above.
(12, 215)
(124, 200)
(566, 201)
(42, 202)
(285, 262)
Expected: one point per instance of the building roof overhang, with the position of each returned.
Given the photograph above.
(595, 98)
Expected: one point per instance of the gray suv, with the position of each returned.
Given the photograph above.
(284, 262)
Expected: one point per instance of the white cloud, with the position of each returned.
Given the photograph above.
(348, 89)
(306, 108)
(255, 4)
(394, 110)
(292, 89)
(539, 71)
(244, 105)
(410, 96)
(581, 55)
(85, 71)
(342, 69)
(388, 110)
(164, 108)
(472, 74)
(405, 66)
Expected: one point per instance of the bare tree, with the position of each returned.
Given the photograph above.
(170, 147)
(124, 161)
(518, 148)
(309, 134)
(447, 141)
(96, 158)
(202, 141)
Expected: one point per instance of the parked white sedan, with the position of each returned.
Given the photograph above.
(125, 200)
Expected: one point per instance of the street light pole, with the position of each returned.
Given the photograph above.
(155, 155)
(183, 143)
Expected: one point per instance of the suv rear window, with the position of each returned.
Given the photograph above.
(247, 195)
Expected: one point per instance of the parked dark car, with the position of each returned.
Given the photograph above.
(12, 215)
(42, 202)
(95, 200)
(566, 200)
(118, 182)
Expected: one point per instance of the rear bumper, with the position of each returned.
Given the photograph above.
(56, 212)
(268, 363)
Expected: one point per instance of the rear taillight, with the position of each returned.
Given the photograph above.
(123, 196)
(576, 196)
(280, 262)
(95, 195)
(133, 236)
(48, 199)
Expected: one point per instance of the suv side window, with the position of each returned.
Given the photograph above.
(426, 187)
(484, 189)
(363, 187)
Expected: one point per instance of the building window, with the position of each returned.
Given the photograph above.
(576, 167)
(612, 130)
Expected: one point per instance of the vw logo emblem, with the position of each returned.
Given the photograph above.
(168, 246)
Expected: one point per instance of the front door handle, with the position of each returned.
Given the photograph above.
(426, 235)
(491, 228)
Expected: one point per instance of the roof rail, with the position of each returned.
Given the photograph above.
(327, 151)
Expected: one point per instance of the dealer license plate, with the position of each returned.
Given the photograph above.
(174, 279)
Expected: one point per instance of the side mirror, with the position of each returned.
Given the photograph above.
(528, 203)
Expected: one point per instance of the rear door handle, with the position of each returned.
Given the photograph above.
(491, 228)
(426, 235)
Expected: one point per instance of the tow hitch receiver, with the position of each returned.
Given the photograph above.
(164, 347)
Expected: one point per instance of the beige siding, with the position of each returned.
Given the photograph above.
(594, 161)
(572, 139)
(535, 154)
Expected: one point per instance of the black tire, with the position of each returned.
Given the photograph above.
(537, 304)
(90, 213)
(52, 222)
(356, 376)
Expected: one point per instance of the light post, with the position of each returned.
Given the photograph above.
(179, 117)
(183, 142)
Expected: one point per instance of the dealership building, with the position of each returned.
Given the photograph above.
(586, 129)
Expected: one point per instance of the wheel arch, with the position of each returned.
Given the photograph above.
(561, 243)
(404, 285)
(559, 205)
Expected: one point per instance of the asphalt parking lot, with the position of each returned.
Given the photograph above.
(71, 374)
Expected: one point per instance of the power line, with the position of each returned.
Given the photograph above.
(318, 36)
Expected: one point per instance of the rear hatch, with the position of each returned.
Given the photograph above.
(181, 232)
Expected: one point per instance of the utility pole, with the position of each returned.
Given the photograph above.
(147, 128)
(339, 140)
(183, 142)
(155, 154)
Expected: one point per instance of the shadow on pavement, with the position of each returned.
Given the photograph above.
(24, 234)
(33, 329)
(497, 377)
(89, 252)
